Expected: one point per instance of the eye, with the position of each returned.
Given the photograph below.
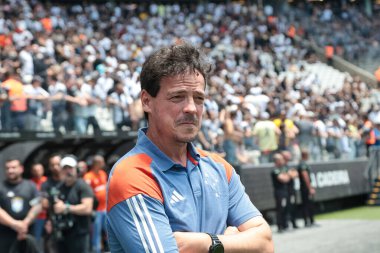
(176, 98)
(199, 99)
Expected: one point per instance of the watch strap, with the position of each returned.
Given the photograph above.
(214, 241)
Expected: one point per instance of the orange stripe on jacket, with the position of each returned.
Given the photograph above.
(131, 177)
(229, 169)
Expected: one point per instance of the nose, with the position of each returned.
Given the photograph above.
(190, 106)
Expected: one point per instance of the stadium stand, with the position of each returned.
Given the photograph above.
(80, 71)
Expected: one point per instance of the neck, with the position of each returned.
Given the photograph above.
(70, 182)
(15, 181)
(177, 151)
(56, 177)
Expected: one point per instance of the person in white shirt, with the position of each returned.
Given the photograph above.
(58, 91)
(37, 98)
(121, 107)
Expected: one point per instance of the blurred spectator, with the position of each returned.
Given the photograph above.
(368, 133)
(289, 131)
(329, 53)
(209, 128)
(19, 205)
(58, 91)
(354, 137)
(280, 180)
(121, 107)
(334, 144)
(307, 190)
(38, 171)
(74, 203)
(48, 189)
(319, 152)
(82, 168)
(306, 130)
(376, 130)
(79, 103)
(377, 75)
(233, 137)
(17, 100)
(94, 102)
(292, 196)
(97, 179)
(266, 133)
(37, 97)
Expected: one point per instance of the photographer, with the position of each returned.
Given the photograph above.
(70, 210)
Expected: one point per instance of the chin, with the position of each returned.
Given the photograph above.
(187, 134)
(186, 137)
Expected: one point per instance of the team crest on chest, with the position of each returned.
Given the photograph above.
(17, 204)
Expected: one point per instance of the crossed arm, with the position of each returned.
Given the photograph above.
(252, 236)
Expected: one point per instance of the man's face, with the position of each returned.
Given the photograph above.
(54, 166)
(37, 170)
(175, 114)
(69, 173)
(99, 163)
(13, 170)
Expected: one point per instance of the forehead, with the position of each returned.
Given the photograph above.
(12, 163)
(68, 167)
(192, 80)
(37, 166)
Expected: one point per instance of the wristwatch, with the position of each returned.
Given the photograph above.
(216, 246)
(67, 208)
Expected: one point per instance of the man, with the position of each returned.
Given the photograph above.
(165, 195)
(121, 104)
(48, 189)
(37, 98)
(58, 92)
(37, 171)
(292, 196)
(266, 133)
(19, 205)
(17, 99)
(280, 179)
(307, 190)
(74, 207)
(97, 179)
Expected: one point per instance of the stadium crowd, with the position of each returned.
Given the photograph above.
(74, 64)
(348, 28)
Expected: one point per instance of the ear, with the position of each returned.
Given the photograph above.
(146, 101)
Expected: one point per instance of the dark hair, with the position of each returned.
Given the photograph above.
(54, 155)
(13, 158)
(171, 61)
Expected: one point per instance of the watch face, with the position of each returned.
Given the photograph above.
(218, 248)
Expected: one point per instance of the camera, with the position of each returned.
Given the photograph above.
(60, 222)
